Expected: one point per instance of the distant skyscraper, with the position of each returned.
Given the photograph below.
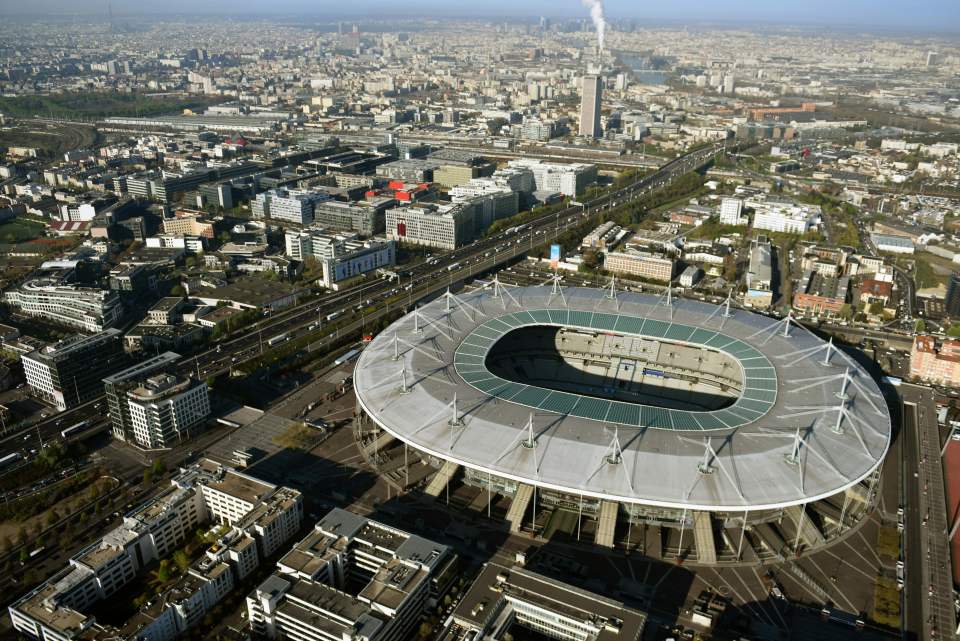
(952, 302)
(590, 106)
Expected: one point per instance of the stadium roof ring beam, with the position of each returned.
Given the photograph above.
(806, 423)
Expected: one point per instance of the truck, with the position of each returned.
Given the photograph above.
(453, 267)
(333, 316)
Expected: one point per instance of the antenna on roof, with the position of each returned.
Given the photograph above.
(844, 397)
(794, 456)
(416, 319)
(530, 442)
(615, 453)
(826, 356)
(396, 347)
(403, 380)
(786, 323)
(612, 292)
(455, 420)
(704, 467)
(557, 289)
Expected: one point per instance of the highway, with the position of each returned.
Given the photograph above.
(421, 281)
(929, 578)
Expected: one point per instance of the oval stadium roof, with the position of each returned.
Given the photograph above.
(800, 431)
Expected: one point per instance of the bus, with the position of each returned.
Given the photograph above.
(276, 340)
(453, 266)
(73, 429)
(333, 316)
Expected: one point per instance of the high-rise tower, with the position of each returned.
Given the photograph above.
(592, 91)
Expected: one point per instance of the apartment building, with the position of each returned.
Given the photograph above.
(88, 309)
(165, 410)
(643, 264)
(116, 386)
(71, 372)
(731, 211)
(935, 363)
(351, 577)
(186, 223)
(58, 610)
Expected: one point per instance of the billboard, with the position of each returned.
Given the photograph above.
(554, 256)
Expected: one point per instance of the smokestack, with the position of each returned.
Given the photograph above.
(599, 21)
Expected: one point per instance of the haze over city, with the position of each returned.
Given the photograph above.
(590, 320)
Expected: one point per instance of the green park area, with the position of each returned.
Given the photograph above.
(100, 105)
(20, 230)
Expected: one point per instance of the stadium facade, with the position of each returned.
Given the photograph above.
(687, 430)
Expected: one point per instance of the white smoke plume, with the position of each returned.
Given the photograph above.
(599, 21)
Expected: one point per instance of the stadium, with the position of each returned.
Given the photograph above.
(695, 432)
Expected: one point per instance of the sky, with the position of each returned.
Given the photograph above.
(940, 15)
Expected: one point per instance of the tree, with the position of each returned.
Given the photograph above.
(177, 290)
(148, 476)
(163, 572)
(954, 331)
(182, 560)
(920, 326)
(24, 554)
(190, 261)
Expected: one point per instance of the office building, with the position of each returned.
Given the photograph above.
(786, 218)
(88, 309)
(567, 179)
(343, 256)
(502, 599)
(351, 578)
(412, 170)
(116, 386)
(760, 276)
(731, 211)
(164, 410)
(952, 301)
(446, 226)
(292, 206)
(71, 372)
(643, 264)
(59, 609)
(591, 95)
(363, 217)
(892, 244)
(458, 167)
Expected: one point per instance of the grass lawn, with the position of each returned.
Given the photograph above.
(298, 437)
(886, 603)
(888, 542)
(18, 231)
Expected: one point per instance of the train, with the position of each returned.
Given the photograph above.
(10, 459)
(276, 340)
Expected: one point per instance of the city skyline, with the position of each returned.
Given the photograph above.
(932, 15)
